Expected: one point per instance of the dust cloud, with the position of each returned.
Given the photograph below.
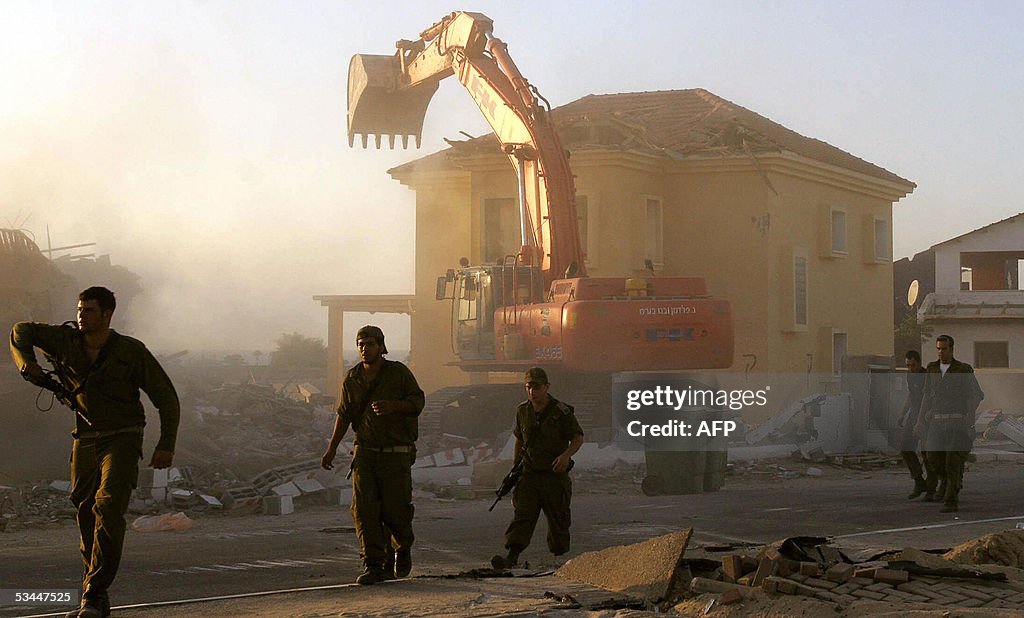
(232, 226)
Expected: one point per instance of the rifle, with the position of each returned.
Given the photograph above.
(49, 380)
(510, 479)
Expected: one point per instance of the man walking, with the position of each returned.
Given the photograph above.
(908, 420)
(547, 436)
(946, 421)
(381, 401)
(104, 371)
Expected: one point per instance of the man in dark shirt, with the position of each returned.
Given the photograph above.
(946, 421)
(381, 400)
(551, 435)
(104, 371)
(908, 419)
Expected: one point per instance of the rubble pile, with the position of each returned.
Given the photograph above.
(239, 430)
(809, 567)
(34, 506)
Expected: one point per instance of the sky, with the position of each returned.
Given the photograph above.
(202, 144)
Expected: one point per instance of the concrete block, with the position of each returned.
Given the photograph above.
(308, 485)
(337, 496)
(765, 569)
(702, 584)
(237, 498)
(891, 576)
(490, 473)
(729, 597)
(841, 572)
(287, 489)
(448, 475)
(152, 477)
(278, 505)
(450, 457)
(810, 569)
(426, 461)
(732, 567)
(782, 585)
(647, 570)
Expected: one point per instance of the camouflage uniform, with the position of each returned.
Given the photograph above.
(949, 417)
(546, 435)
(107, 449)
(384, 453)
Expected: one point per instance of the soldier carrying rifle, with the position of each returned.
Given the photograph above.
(547, 436)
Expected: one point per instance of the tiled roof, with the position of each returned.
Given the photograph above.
(673, 123)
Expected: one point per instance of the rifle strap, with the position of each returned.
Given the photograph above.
(368, 399)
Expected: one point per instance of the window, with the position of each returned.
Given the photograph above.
(501, 235)
(838, 231)
(800, 290)
(838, 352)
(882, 240)
(653, 233)
(989, 354)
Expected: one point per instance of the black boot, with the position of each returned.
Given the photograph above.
(372, 574)
(93, 606)
(509, 561)
(403, 563)
(919, 488)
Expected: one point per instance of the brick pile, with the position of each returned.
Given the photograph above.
(742, 576)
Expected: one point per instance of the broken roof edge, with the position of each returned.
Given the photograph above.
(771, 133)
(718, 103)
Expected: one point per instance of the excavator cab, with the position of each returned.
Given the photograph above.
(484, 300)
(378, 106)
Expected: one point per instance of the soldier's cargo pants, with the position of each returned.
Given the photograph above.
(382, 494)
(104, 471)
(536, 492)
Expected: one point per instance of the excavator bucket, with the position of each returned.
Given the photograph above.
(378, 106)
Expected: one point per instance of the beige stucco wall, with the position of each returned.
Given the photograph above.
(721, 220)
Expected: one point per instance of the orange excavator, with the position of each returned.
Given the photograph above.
(539, 306)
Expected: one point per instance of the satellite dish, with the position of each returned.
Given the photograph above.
(912, 292)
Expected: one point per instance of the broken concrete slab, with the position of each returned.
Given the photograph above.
(650, 569)
(278, 505)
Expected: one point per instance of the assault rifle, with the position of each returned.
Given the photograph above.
(510, 480)
(49, 380)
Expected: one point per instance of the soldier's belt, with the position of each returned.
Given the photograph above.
(940, 417)
(89, 435)
(387, 449)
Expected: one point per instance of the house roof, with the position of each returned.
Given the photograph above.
(674, 123)
(980, 229)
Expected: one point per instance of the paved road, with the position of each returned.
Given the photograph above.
(230, 555)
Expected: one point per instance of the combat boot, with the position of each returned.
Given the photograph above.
(950, 506)
(92, 607)
(509, 561)
(403, 563)
(372, 574)
(920, 487)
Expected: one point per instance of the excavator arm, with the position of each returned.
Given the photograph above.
(389, 95)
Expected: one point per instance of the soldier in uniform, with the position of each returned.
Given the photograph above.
(104, 371)
(908, 419)
(946, 422)
(381, 401)
(547, 436)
